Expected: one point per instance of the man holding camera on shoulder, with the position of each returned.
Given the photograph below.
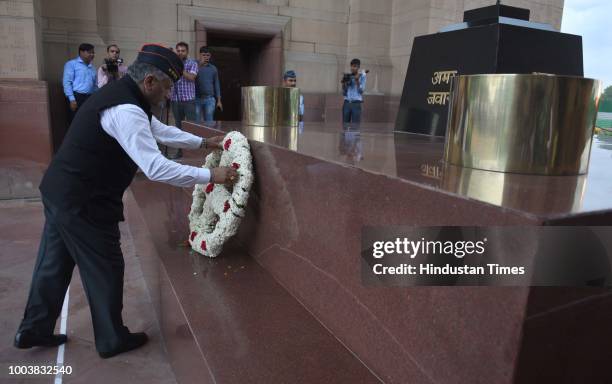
(113, 67)
(353, 85)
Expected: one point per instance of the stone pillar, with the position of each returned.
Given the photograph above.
(268, 63)
(24, 101)
(201, 38)
(20, 40)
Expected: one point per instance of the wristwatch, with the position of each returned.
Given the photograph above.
(203, 144)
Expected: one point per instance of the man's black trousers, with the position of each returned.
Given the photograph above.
(70, 239)
(80, 98)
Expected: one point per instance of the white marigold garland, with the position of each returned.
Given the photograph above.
(216, 211)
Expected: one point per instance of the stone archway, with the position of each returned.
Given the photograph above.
(250, 46)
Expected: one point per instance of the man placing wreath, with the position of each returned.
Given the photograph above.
(112, 135)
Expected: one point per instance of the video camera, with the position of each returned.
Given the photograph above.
(112, 66)
(347, 77)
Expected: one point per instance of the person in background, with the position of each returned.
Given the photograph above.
(353, 85)
(290, 80)
(113, 67)
(79, 79)
(183, 93)
(208, 88)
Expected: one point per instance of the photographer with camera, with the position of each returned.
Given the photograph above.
(353, 85)
(113, 67)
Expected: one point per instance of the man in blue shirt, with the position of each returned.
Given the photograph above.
(208, 88)
(290, 80)
(353, 85)
(79, 78)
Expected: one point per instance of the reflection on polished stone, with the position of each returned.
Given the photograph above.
(375, 147)
(286, 136)
(350, 145)
(508, 190)
(312, 197)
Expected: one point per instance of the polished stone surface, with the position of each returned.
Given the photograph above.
(416, 158)
(21, 223)
(309, 203)
(285, 302)
(20, 229)
(19, 178)
(25, 134)
(235, 322)
(25, 131)
(566, 343)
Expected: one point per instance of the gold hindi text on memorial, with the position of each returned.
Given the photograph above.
(443, 77)
(437, 98)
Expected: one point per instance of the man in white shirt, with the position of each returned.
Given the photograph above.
(111, 136)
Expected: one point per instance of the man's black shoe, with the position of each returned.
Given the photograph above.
(28, 340)
(131, 341)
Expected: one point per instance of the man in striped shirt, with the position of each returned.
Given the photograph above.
(184, 92)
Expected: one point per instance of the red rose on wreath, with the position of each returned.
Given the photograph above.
(211, 203)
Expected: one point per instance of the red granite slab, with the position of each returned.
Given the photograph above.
(311, 198)
(25, 131)
(25, 134)
(226, 320)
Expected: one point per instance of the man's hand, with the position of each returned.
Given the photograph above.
(73, 105)
(215, 142)
(219, 105)
(224, 175)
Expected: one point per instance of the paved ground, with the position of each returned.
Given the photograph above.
(21, 223)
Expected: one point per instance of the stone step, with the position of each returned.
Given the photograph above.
(227, 320)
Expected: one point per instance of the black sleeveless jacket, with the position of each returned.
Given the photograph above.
(90, 172)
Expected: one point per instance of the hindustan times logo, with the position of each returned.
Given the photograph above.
(404, 246)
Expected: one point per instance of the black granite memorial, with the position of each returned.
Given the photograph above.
(494, 39)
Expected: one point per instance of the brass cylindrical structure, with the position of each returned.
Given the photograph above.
(534, 124)
(283, 136)
(270, 106)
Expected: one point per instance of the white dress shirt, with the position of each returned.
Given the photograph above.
(129, 125)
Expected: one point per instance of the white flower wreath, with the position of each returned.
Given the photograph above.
(216, 211)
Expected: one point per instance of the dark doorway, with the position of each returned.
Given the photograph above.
(243, 60)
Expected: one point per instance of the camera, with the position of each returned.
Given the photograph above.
(347, 77)
(112, 66)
